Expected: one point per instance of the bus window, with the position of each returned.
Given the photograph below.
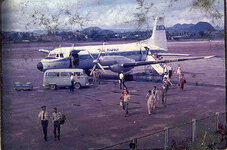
(53, 74)
(65, 74)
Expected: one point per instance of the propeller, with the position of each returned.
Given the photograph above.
(96, 62)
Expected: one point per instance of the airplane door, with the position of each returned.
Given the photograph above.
(74, 59)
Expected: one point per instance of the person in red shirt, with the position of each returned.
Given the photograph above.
(123, 92)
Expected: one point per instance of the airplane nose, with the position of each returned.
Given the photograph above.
(40, 66)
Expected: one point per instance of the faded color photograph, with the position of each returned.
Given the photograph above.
(113, 74)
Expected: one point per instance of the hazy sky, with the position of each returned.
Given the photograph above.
(19, 15)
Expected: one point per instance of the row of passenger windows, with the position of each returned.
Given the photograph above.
(107, 54)
(63, 74)
(118, 54)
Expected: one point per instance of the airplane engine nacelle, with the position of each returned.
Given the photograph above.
(119, 69)
(108, 60)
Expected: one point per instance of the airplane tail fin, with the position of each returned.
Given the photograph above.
(158, 38)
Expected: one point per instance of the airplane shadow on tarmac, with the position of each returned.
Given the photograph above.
(204, 84)
(135, 102)
(134, 113)
(192, 73)
(132, 108)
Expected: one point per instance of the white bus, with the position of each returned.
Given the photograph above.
(55, 78)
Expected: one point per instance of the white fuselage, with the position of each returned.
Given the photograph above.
(60, 57)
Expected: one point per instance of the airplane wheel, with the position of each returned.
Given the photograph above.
(77, 86)
(129, 77)
(53, 86)
(88, 72)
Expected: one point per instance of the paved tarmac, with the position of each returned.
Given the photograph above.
(95, 119)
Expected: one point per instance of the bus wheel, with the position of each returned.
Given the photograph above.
(53, 86)
(77, 86)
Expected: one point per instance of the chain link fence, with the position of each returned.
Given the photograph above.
(201, 133)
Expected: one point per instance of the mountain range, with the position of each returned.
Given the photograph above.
(98, 30)
(199, 27)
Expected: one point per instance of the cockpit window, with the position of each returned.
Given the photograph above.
(61, 55)
(57, 55)
(52, 55)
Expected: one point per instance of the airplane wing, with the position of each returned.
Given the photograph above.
(44, 50)
(173, 54)
(142, 63)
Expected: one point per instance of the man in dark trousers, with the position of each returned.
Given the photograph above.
(182, 82)
(56, 120)
(121, 80)
(170, 71)
(72, 82)
(43, 116)
(164, 93)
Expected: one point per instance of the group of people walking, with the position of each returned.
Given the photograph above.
(154, 94)
(43, 118)
(180, 75)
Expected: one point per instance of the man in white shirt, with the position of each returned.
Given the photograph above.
(121, 77)
(56, 120)
(72, 82)
(43, 116)
(165, 68)
(170, 71)
(151, 100)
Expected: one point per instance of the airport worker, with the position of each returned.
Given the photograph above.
(165, 68)
(56, 120)
(170, 71)
(164, 93)
(182, 82)
(94, 76)
(72, 61)
(43, 117)
(97, 75)
(72, 82)
(121, 77)
(126, 102)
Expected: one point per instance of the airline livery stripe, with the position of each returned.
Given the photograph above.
(128, 53)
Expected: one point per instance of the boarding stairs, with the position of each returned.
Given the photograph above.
(157, 67)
